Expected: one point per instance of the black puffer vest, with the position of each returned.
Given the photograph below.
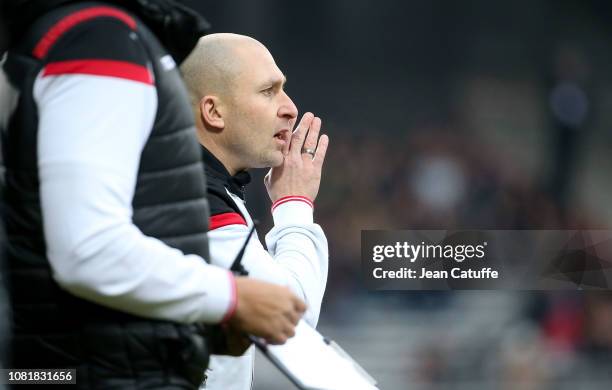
(53, 328)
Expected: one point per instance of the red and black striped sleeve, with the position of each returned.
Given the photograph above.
(97, 41)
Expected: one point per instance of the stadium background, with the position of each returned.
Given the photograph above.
(444, 114)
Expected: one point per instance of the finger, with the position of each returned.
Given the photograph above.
(321, 151)
(290, 332)
(313, 134)
(277, 339)
(299, 305)
(293, 316)
(287, 145)
(292, 122)
(305, 121)
(287, 331)
(297, 138)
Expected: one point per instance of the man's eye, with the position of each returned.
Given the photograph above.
(268, 91)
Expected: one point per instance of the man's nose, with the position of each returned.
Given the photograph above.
(287, 109)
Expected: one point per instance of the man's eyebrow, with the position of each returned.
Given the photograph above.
(275, 81)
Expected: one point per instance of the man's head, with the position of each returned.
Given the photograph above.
(242, 113)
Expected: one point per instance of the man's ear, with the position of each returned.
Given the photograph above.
(211, 113)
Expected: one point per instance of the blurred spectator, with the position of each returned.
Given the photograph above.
(570, 109)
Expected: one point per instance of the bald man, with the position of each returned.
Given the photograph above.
(245, 120)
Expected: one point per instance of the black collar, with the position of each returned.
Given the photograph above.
(236, 184)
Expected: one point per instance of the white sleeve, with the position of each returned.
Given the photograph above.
(297, 258)
(92, 130)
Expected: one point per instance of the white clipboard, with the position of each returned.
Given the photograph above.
(313, 362)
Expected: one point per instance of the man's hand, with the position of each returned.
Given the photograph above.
(266, 310)
(300, 172)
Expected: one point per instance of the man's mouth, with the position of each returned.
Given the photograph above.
(282, 135)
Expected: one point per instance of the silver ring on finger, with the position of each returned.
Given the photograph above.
(308, 151)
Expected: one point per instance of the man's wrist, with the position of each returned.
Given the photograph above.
(292, 210)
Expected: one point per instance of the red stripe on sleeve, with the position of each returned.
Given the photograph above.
(294, 198)
(48, 40)
(220, 220)
(119, 69)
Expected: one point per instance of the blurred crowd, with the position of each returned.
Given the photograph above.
(444, 179)
(450, 177)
